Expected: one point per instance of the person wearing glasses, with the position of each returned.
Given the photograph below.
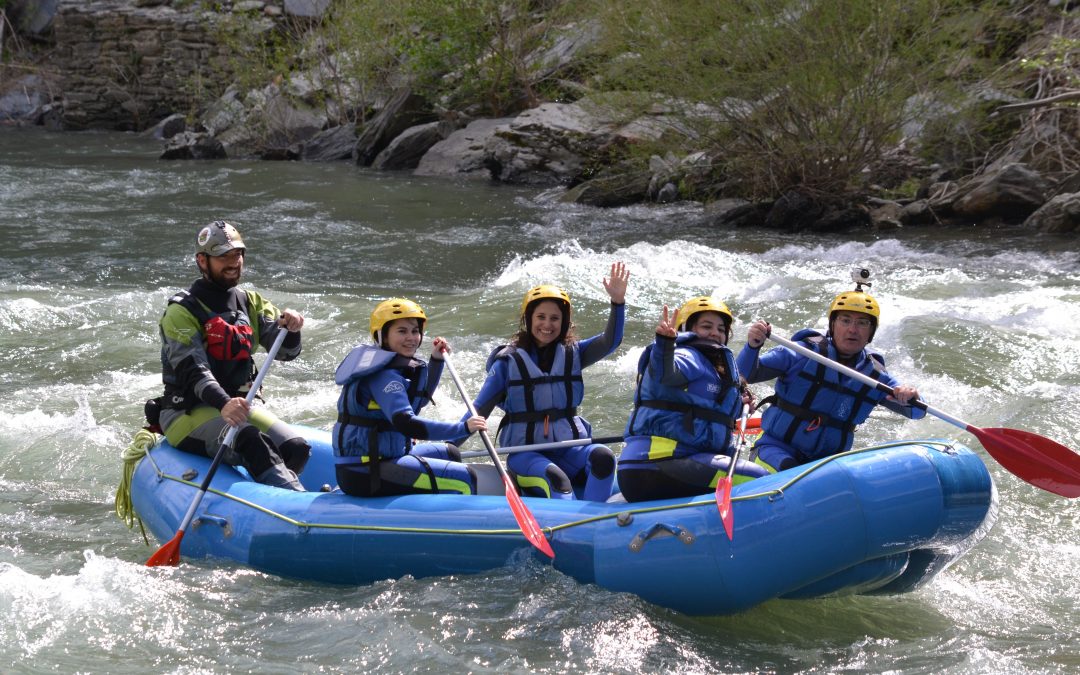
(815, 410)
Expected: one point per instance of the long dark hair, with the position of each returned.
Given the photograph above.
(523, 338)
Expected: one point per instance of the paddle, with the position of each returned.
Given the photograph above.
(554, 445)
(525, 520)
(1044, 463)
(169, 554)
(723, 487)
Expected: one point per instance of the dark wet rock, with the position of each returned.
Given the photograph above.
(330, 145)
(1060, 214)
(169, 127)
(748, 214)
(404, 110)
(407, 149)
(918, 212)
(614, 188)
(194, 145)
(1013, 193)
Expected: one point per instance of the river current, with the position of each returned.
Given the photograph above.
(96, 234)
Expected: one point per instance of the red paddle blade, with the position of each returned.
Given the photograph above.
(1038, 460)
(525, 520)
(169, 554)
(723, 502)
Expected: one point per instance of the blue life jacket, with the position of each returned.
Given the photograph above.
(817, 411)
(362, 433)
(700, 415)
(541, 406)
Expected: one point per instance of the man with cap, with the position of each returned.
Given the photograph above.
(815, 409)
(209, 334)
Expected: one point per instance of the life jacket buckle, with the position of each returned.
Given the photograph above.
(814, 424)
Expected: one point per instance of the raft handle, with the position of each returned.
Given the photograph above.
(661, 530)
(220, 521)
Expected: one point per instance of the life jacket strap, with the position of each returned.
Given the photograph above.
(540, 415)
(816, 419)
(690, 412)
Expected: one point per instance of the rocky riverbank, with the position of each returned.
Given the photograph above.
(147, 66)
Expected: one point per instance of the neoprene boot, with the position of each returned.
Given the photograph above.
(280, 476)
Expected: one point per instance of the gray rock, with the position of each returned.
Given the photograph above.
(311, 9)
(406, 150)
(23, 98)
(32, 17)
(194, 145)
(462, 152)
(404, 109)
(1060, 214)
(546, 145)
(614, 189)
(1014, 192)
(330, 145)
(668, 193)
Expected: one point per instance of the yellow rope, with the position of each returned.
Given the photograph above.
(140, 443)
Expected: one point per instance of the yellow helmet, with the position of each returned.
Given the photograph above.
(395, 308)
(702, 303)
(855, 301)
(541, 292)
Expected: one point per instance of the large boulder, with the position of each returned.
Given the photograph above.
(1012, 193)
(22, 100)
(797, 211)
(193, 145)
(266, 124)
(462, 152)
(619, 186)
(409, 147)
(404, 109)
(1060, 214)
(547, 145)
(330, 145)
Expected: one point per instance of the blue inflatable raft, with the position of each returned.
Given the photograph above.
(878, 520)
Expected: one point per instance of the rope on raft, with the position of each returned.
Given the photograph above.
(143, 440)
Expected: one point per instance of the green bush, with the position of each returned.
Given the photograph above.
(801, 94)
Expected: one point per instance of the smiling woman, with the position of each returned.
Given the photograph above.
(384, 387)
(537, 382)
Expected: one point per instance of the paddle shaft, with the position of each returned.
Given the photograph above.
(525, 519)
(472, 412)
(540, 447)
(230, 436)
(865, 379)
(742, 438)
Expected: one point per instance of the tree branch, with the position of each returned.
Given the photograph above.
(1039, 103)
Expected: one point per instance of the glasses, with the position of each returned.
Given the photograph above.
(848, 322)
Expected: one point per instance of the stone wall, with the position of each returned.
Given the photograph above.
(124, 66)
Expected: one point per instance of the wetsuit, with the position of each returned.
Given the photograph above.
(679, 437)
(208, 337)
(540, 390)
(381, 397)
(816, 409)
